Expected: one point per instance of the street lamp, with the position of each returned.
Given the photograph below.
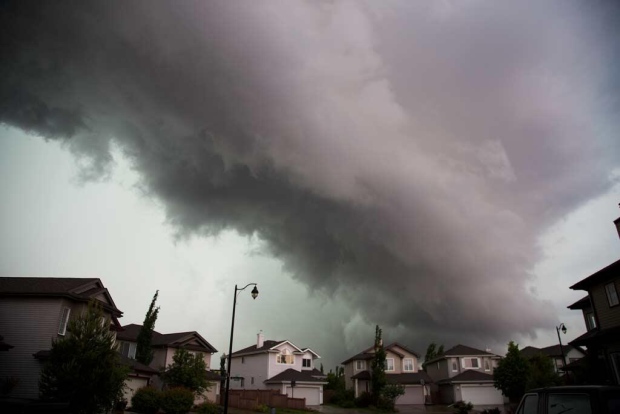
(562, 328)
(232, 330)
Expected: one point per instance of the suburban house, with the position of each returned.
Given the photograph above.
(601, 311)
(164, 347)
(465, 373)
(279, 365)
(36, 311)
(554, 352)
(401, 367)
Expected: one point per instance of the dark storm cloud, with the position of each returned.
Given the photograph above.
(399, 157)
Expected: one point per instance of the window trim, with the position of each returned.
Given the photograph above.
(303, 362)
(387, 365)
(360, 363)
(284, 353)
(65, 313)
(487, 364)
(455, 365)
(405, 365)
(471, 358)
(615, 292)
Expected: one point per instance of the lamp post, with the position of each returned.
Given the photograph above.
(232, 331)
(562, 327)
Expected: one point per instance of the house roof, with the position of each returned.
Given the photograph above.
(408, 378)
(268, 346)
(612, 270)
(469, 375)
(596, 336)
(368, 353)
(582, 303)
(550, 351)
(317, 373)
(363, 375)
(176, 339)
(78, 289)
(460, 350)
(137, 366)
(3, 345)
(291, 374)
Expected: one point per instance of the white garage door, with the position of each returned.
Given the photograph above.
(481, 395)
(311, 394)
(413, 395)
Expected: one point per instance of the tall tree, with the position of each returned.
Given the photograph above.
(84, 367)
(322, 369)
(541, 373)
(144, 351)
(377, 365)
(512, 373)
(188, 371)
(433, 352)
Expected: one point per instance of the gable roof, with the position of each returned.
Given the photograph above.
(550, 351)
(269, 345)
(409, 378)
(291, 374)
(469, 375)
(460, 350)
(177, 339)
(612, 270)
(77, 289)
(369, 353)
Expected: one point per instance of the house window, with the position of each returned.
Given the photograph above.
(591, 321)
(455, 366)
(612, 295)
(408, 364)
(128, 349)
(360, 365)
(389, 364)
(487, 365)
(242, 382)
(64, 320)
(243, 360)
(306, 363)
(252, 380)
(285, 357)
(471, 363)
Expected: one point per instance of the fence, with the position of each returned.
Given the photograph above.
(251, 399)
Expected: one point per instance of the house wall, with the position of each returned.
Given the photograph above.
(349, 371)
(132, 384)
(275, 368)
(253, 366)
(444, 368)
(438, 370)
(30, 325)
(608, 317)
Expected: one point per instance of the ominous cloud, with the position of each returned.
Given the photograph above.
(402, 157)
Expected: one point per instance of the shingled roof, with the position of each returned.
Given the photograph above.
(77, 289)
(254, 349)
(369, 353)
(469, 375)
(550, 351)
(176, 339)
(299, 376)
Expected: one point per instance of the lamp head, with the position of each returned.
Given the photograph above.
(563, 329)
(254, 292)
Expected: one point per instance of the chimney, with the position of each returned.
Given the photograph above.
(260, 338)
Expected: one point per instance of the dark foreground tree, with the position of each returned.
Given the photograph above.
(84, 368)
(512, 374)
(144, 351)
(187, 371)
(541, 372)
(377, 375)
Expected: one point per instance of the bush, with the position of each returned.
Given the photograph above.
(364, 400)
(177, 400)
(209, 408)
(262, 408)
(344, 398)
(146, 400)
(462, 407)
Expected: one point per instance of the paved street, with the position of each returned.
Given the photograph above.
(402, 409)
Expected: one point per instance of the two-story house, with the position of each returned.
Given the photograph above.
(601, 311)
(558, 355)
(280, 365)
(465, 373)
(164, 347)
(36, 311)
(401, 367)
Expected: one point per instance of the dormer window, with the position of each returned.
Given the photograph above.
(285, 357)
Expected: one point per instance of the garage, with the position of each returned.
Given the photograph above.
(311, 394)
(414, 394)
(481, 394)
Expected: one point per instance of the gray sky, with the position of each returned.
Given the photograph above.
(445, 171)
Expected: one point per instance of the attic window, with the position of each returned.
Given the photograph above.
(612, 294)
(285, 357)
(64, 320)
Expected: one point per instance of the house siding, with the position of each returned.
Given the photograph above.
(29, 325)
(438, 370)
(349, 371)
(253, 366)
(608, 317)
(275, 368)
